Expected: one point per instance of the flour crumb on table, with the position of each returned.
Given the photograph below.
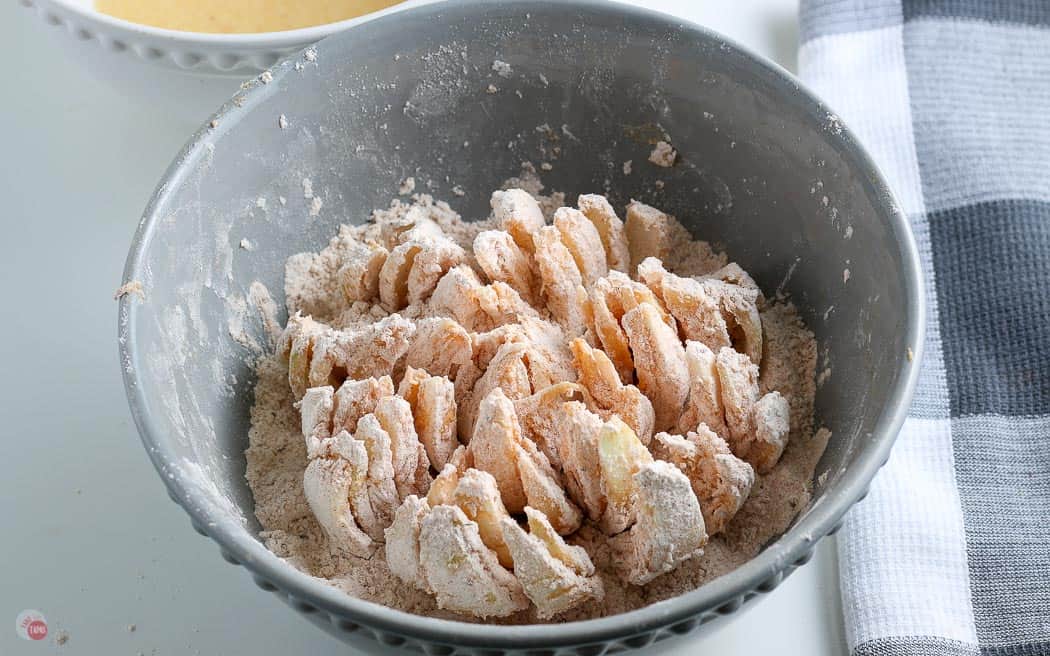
(559, 412)
(408, 185)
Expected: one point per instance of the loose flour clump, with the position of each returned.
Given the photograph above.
(663, 154)
(551, 414)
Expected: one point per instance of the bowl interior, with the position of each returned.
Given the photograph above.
(765, 173)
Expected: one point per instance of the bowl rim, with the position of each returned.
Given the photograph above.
(719, 595)
(236, 40)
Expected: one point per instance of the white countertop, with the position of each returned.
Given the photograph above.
(90, 537)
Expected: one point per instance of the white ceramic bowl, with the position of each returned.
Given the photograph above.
(239, 55)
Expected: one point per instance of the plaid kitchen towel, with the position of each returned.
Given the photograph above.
(950, 553)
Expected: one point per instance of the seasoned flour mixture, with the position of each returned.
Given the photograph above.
(547, 415)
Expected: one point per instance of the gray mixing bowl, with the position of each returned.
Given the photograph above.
(766, 171)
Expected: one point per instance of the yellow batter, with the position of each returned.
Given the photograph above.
(231, 16)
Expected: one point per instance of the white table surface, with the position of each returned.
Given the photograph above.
(89, 536)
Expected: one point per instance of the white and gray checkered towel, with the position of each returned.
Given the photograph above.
(950, 553)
